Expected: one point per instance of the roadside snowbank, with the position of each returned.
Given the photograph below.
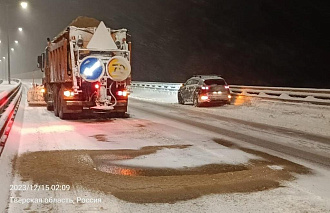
(309, 118)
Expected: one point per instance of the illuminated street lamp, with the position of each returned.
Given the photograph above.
(24, 6)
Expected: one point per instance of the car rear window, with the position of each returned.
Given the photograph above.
(215, 81)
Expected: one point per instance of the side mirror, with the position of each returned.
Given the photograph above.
(39, 64)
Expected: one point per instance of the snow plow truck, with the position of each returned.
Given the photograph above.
(87, 69)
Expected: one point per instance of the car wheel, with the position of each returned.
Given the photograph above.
(180, 99)
(195, 101)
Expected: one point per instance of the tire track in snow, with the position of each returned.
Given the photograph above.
(292, 151)
(264, 127)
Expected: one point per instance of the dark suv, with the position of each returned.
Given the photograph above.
(202, 89)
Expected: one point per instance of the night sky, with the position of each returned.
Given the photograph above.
(264, 42)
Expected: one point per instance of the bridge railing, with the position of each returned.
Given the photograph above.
(9, 101)
(289, 94)
(157, 85)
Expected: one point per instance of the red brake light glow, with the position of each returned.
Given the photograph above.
(97, 86)
(205, 88)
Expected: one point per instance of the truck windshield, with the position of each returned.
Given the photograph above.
(215, 81)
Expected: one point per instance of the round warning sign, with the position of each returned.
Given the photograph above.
(91, 69)
(119, 68)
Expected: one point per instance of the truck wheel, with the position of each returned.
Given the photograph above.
(50, 107)
(61, 114)
(122, 115)
(55, 97)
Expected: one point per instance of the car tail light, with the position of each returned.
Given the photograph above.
(205, 88)
(204, 97)
(227, 87)
(97, 86)
(122, 93)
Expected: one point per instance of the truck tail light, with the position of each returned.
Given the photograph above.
(122, 93)
(68, 93)
(204, 97)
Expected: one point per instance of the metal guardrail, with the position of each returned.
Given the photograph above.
(157, 85)
(308, 95)
(9, 101)
(304, 95)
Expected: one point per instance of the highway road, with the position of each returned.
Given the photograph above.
(168, 157)
(284, 140)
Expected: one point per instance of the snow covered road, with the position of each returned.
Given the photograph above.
(172, 158)
(307, 146)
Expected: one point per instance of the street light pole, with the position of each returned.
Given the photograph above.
(8, 52)
(4, 67)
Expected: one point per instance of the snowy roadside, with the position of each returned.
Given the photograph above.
(4, 86)
(309, 118)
